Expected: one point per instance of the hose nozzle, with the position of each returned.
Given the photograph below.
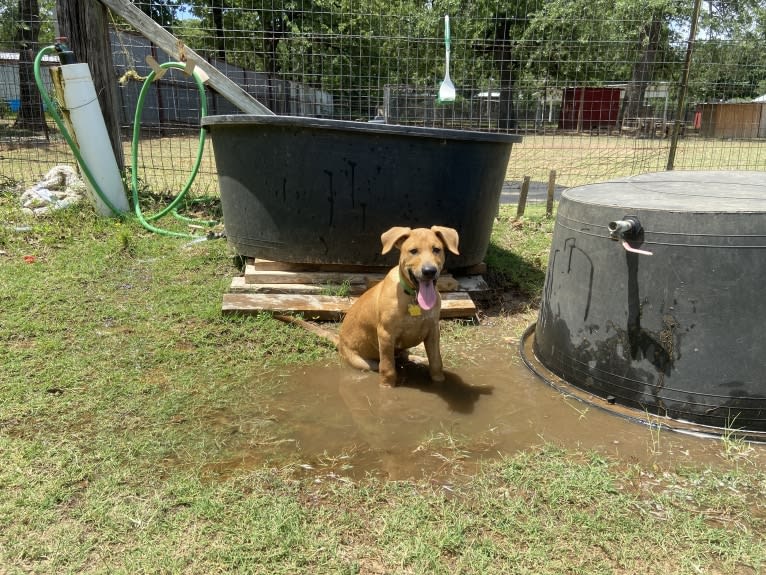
(66, 56)
(627, 228)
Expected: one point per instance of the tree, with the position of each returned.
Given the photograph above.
(25, 24)
(601, 42)
(499, 30)
(161, 11)
(85, 24)
(650, 36)
(353, 48)
(729, 58)
(10, 20)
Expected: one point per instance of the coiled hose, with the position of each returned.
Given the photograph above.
(142, 218)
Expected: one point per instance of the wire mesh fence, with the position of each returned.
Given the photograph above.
(596, 88)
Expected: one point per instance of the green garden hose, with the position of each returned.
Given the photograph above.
(172, 207)
(134, 156)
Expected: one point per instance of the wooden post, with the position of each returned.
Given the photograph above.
(551, 190)
(85, 25)
(683, 87)
(522, 197)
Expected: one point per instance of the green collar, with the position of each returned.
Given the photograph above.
(409, 290)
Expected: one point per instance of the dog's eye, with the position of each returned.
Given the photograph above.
(437, 251)
(414, 251)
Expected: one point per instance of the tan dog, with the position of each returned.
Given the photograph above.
(403, 310)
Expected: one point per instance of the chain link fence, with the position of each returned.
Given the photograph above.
(597, 89)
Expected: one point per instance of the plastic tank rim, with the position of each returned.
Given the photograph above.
(363, 127)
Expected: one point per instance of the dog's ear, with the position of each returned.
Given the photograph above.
(449, 236)
(394, 237)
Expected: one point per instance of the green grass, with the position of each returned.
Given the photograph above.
(116, 363)
(518, 254)
(583, 158)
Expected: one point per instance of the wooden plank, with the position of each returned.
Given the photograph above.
(456, 305)
(311, 307)
(172, 46)
(325, 308)
(270, 265)
(323, 280)
(239, 285)
(255, 276)
(445, 283)
(273, 266)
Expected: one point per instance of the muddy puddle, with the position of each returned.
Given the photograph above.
(330, 420)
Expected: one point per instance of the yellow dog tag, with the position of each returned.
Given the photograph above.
(414, 309)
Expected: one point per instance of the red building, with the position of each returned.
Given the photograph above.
(588, 108)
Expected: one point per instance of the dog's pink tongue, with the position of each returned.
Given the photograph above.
(426, 294)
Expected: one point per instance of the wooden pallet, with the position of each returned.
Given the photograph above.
(306, 290)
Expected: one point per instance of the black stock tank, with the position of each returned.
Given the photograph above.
(310, 190)
(654, 295)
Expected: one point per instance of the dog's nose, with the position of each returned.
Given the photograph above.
(428, 272)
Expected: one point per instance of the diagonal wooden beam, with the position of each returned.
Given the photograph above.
(170, 44)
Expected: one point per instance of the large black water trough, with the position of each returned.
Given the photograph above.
(654, 296)
(309, 190)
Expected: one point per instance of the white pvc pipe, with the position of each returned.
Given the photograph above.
(81, 103)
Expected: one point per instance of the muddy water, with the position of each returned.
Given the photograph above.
(326, 418)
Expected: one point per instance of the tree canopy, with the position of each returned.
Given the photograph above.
(12, 20)
(519, 48)
(522, 46)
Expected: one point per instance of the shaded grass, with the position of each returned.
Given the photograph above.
(518, 252)
(116, 362)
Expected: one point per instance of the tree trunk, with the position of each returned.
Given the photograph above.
(642, 69)
(30, 115)
(273, 33)
(502, 54)
(219, 51)
(85, 24)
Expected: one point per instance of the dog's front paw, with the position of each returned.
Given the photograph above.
(437, 377)
(387, 377)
